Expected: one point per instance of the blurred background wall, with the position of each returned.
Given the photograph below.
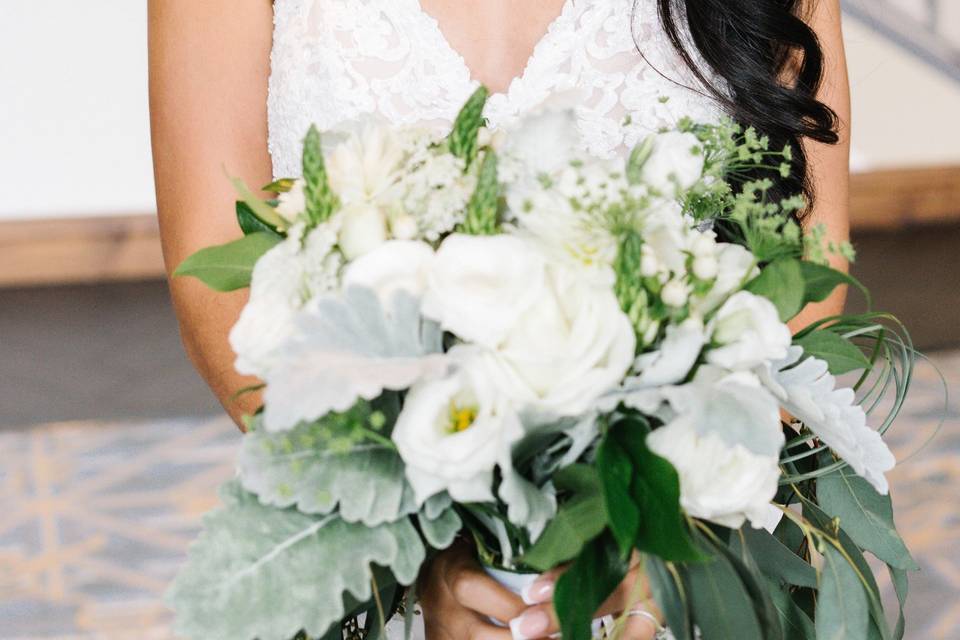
(100, 408)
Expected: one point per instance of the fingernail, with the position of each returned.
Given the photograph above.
(532, 624)
(538, 592)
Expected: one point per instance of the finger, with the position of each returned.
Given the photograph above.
(477, 591)
(483, 630)
(633, 589)
(539, 621)
(639, 628)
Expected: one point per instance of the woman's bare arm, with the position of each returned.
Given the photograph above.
(209, 66)
(830, 164)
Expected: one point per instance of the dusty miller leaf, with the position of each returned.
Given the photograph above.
(266, 573)
(298, 468)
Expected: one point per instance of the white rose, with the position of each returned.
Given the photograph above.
(453, 431)
(478, 286)
(363, 229)
(718, 482)
(293, 203)
(675, 164)
(748, 332)
(572, 346)
(396, 265)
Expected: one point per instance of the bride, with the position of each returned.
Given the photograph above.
(237, 84)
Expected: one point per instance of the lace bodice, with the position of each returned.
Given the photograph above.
(336, 60)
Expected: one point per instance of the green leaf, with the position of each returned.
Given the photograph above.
(668, 592)
(462, 141)
(260, 209)
(743, 561)
(901, 584)
(321, 200)
(782, 283)
(483, 208)
(722, 607)
(250, 223)
(776, 561)
(589, 581)
(795, 623)
(879, 626)
(300, 468)
(283, 185)
(841, 355)
(580, 519)
(642, 495)
(228, 267)
(865, 515)
(842, 609)
(260, 572)
(821, 280)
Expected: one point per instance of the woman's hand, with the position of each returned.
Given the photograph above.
(458, 598)
(642, 622)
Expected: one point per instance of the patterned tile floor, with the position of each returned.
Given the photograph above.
(95, 517)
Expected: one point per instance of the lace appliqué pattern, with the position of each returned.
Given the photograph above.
(336, 60)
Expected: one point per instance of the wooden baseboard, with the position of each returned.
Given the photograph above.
(896, 199)
(81, 250)
(116, 248)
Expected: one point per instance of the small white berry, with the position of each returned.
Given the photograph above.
(675, 294)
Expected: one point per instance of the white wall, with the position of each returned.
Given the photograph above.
(74, 134)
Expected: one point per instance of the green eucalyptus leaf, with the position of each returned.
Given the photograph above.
(668, 592)
(304, 468)
(250, 223)
(722, 606)
(743, 561)
(796, 624)
(865, 515)
(878, 622)
(776, 561)
(842, 608)
(781, 282)
(579, 519)
(901, 584)
(642, 495)
(228, 267)
(841, 355)
(260, 572)
(589, 581)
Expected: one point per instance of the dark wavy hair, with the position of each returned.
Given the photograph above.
(764, 64)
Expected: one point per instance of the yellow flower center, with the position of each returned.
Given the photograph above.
(461, 417)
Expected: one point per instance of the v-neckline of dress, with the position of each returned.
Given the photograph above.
(466, 72)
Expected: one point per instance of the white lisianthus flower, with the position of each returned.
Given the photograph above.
(366, 164)
(453, 431)
(748, 332)
(292, 204)
(479, 286)
(284, 279)
(809, 392)
(570, 347)
(675, 164)
(396, 265)
(363, 229)
(718, 482)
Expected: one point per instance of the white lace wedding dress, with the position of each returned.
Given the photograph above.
(336, 60)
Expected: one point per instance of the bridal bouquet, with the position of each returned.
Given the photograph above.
(563, 359)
